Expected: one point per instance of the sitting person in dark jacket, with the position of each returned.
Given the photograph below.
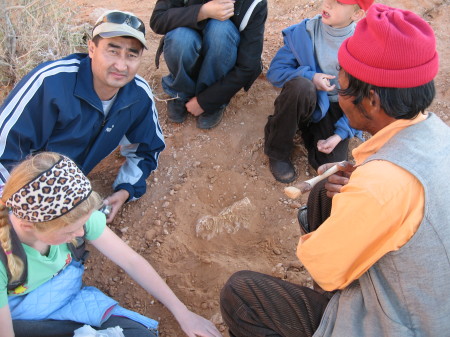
(212, 49)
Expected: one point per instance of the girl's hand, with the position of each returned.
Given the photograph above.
(194, 325)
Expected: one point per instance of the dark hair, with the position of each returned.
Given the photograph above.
(96, 39)
(399, 103)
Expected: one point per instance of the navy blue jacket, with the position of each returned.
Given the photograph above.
(55, 108)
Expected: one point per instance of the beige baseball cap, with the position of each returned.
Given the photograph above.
(118, 23)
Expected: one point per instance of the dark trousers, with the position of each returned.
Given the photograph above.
(52, 328)
(293, 110)
(319, 206)
(259, 305)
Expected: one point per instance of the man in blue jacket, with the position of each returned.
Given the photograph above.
(306, 68)
(85, 105)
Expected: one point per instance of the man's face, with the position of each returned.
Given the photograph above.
(355, 116)
(115, 62)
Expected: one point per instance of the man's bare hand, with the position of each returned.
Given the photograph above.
(336, 181)
(216, 9)
(193, 107)
(115, 200)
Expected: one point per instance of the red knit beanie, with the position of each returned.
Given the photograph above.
(391, 48)
(363, 4)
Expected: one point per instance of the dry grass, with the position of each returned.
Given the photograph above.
(34, 31)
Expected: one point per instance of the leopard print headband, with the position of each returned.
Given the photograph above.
(51, 194)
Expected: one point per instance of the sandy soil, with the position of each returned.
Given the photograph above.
(204, 173)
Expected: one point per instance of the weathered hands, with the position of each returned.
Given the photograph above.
(216, 9)
(336, 181)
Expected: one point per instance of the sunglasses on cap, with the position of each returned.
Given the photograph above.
(123, 18)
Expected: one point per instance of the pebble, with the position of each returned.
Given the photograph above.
(150, 235)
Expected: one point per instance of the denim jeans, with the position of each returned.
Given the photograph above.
(196, 60)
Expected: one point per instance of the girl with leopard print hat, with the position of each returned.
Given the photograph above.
(46, 204)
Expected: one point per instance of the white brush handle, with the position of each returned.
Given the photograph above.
(332, 170)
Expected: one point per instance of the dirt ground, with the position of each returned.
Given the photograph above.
(186, 224)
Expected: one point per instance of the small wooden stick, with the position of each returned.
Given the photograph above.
(295, 191)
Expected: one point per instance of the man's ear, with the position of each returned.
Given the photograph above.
(358, 15)
(371, 104)
(374, 101)
(91, 48)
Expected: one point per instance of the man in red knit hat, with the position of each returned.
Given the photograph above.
(381, 254)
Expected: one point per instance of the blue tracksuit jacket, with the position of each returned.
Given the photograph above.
(55, 108)
(296, 59)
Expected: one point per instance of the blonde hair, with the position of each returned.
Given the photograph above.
(25, 172)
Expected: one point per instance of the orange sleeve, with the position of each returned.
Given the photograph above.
(373, 215)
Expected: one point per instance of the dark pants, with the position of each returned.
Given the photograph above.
(319, 206)
(52, 328)
(258, 305)
(293, 110)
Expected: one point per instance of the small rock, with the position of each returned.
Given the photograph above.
(217, 319)
(150, 235)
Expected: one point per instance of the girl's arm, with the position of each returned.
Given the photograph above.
(110, 245)
(6, 327)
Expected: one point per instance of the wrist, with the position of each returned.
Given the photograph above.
(123, 195)
(180, 311)
(203, 13)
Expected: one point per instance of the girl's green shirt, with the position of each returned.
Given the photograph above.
(43, 268)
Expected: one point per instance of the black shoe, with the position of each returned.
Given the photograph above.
(302, 217)
(208, 120)
(282, 170)
(176, 110)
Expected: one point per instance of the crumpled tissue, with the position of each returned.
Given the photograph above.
(88, 331)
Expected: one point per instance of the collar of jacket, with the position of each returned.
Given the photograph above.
(84, 89)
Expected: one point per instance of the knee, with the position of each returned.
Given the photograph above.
(300, 85)
(235, 284)
(218, 33)
(181, 40)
